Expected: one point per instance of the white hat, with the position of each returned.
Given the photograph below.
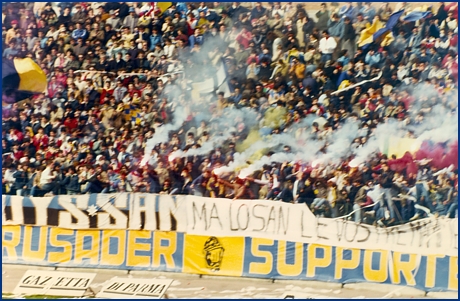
(23, 159)
(99, 157)
(333, 180)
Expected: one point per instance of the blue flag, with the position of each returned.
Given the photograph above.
(416, 15)
(382, 32)
(393, 19)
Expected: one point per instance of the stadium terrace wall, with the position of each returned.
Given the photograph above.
(249, 238)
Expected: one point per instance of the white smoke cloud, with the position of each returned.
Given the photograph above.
(439, 125)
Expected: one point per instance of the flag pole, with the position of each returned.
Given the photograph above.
(359, 84)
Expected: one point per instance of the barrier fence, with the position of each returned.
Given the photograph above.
(249, 238)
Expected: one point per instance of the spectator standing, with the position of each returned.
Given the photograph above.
(131, 20)
(327, 46)
(323, 16)
(79, 16)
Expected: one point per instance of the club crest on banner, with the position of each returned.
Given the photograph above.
(214, 253)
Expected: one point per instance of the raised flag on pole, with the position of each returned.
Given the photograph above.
(378, 32)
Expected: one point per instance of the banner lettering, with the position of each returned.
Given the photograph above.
(224, 217)
(230, 256)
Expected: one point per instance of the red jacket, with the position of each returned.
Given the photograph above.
(250, 58)
(49, 155)
(62, 80)
(244, 38)
(39, 142)
(131, 93)
(183, 38)
(105, 93)
(189, 28)
(59, 142)
(407, 101)
(19, 135)
(452, 70)
(18, 155)
(71, 124)
(454, 40)
(53, 88)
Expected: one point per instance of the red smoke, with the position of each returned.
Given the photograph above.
(441, 156)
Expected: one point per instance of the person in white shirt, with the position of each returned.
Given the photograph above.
(122, 155)
(61, 61)
(277, 10)
(8, 179)
(271, 185)
(327, 46)
(297, 186)
(47, 178)
(449, 22)
(169, 48)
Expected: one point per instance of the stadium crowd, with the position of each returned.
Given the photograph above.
(114, 68)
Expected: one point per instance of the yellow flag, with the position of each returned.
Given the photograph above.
(345, 83)
(162, 6)
(31, 77)
(366, 36)
(387, 39)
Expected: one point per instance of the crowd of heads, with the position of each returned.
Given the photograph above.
(125, 109)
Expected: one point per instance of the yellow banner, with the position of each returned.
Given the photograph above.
(213, 256)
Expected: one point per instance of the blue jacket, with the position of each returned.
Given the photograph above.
(43, 42)
(236, 98)
(195, 40)
(154, 40)
(9, 51)
(336, 29)
(21, 179)
(350, 12)
(213, 17)
(205, 9)
(285, 196)
(344, 60)
(372, 60)
(80, 33)
(256, 14)
(182, 8)
(72, 183)
(369, 15)
(343, 76)
(267, 56)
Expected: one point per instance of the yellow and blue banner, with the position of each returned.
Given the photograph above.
(113, 249)
(230, 256)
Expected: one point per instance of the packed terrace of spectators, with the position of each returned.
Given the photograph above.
(120, 114)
